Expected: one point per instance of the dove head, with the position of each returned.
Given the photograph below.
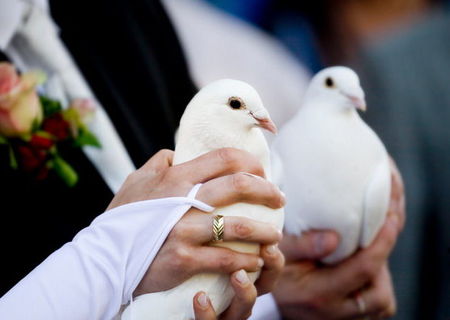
(228, 107)
(339, 85)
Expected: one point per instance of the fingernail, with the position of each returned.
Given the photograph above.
(241, 277)
(280, 234)
(203, 300)
(271, 249)
(260, 262)
(252, 175)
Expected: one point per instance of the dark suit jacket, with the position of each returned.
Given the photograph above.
(406, 78)
(129, 53)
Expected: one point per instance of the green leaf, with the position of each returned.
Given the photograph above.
(65, 171)
(49, 106)
(86, 138)
(12, 158)
(72, 115)
(3, 140)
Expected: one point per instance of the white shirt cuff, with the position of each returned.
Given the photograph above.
(265, 309)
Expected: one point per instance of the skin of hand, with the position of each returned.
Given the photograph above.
(225, 178)
(310, 290)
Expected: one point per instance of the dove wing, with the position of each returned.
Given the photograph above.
(376, 202)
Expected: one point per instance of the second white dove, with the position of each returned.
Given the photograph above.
(335, 170)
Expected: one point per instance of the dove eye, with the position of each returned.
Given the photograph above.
(329, 82)
(236, 103)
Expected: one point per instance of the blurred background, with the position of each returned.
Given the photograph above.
(401, 50)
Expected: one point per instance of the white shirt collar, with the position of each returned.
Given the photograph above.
(11, 14)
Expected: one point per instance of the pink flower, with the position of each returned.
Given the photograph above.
(20, 107)
(85, 108)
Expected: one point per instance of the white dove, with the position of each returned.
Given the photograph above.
(336, 172)
(225, 113)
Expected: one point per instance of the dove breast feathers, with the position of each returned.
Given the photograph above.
(336, 176)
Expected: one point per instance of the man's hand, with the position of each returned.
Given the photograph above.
(309, 290)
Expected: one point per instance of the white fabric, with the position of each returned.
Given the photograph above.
(96, 273)
(10, 17)
(265, 308)
(35, 44)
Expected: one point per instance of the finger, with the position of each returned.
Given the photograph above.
(241, 187)
(311, 245)
(203, 309)
(223, 260)
(197, 228)
(377, 301)
(218, 163)
(273, 266)
(244, 299)
(160, 161)
(362, 267)
(397, 204)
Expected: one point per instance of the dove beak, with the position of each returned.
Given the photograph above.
(356, 97)
(263, 121)
(359, 103)
(267, 124)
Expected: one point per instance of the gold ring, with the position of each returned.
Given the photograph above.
(218, 227)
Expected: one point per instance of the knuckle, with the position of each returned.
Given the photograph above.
(243, 230)
(181, 258)
(241, 183)
(367, 271)
(165, 152)
(226, 262)
(172, 173)
(276, 195)
(229, 157)
(180, 230)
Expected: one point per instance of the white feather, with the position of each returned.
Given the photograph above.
(336, 169)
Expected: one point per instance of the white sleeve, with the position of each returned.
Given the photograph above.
(265, 309)
(11, 13)
(96, 273)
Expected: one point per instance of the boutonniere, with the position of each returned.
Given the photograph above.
(34, 127)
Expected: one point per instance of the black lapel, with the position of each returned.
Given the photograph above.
(130, 55)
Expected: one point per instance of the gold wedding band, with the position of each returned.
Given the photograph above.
(218, 227)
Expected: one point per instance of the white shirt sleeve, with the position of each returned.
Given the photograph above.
(265, 308)
(96, 273)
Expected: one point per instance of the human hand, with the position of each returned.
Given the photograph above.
(240, 307)
(245, 292)
(184, 253)
(313, 291)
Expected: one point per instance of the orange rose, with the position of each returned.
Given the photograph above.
(20, 107)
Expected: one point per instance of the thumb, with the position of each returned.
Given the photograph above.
(311, 245)
(159, 162)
